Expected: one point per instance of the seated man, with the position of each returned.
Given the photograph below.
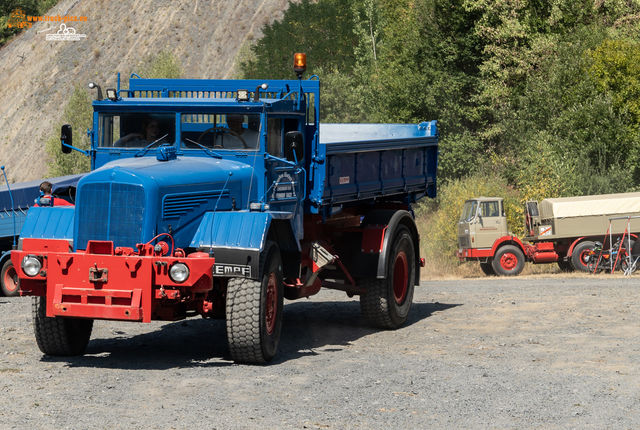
(150, 133)
(238, 137)
(46, 199)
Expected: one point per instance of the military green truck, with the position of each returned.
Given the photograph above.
(560, 230)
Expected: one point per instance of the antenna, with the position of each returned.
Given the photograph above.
(12, 207)
(214, 212)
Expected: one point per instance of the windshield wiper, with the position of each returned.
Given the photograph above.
(205, 149)
(146, 148)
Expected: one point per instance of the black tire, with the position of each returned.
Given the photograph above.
(388, 301)
(508, 261)
(59, 336)
(9, 281)
(565, 266)
(487, 269)
(254, 311)
(579, 255)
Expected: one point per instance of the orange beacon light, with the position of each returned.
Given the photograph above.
(299, 63)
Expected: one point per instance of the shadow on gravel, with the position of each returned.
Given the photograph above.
(309, 328)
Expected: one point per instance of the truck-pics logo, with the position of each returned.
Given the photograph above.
(18, 19)
(232, 270)
(66, 34)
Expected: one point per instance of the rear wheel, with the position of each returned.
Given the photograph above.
(388, 301)
(254, 311)
(487, 269)
(580, 256)
(59, 336)
(509, 261)
(10, 283)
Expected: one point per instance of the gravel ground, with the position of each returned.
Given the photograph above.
(489, 353)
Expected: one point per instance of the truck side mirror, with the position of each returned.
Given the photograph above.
(294, 146)
(66, 138)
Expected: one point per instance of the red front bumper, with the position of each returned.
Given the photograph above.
(472, 254)
(103, 283)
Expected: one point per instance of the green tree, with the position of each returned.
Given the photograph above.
(323, 30)
(79, 114)
(163, 65)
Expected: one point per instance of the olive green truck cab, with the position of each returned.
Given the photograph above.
(560, 230)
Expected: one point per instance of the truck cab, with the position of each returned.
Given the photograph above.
(482, 221)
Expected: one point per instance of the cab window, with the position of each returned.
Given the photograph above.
(490, 209)
(135, 130)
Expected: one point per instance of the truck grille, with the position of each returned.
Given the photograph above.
(110, 211)
(463, 242)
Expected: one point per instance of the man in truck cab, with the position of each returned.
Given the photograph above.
(238, 137)
(152, 131)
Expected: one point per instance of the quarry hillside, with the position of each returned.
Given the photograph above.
(38, 76)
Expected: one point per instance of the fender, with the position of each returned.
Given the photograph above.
(48, 223)
(580, 239)
(393, 218)
(238, 237)
(512, 240)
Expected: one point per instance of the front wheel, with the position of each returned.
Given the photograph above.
(254, 311)
(508, 261)
(388, 301)
(10, 283)
(59, 336)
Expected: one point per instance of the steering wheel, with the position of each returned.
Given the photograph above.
(225, 130)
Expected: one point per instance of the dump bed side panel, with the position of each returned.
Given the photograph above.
(376, 161)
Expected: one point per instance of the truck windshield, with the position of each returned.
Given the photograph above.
(135, 130)
(468, 211)
(232, 131)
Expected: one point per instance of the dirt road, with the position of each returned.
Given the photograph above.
(523, 353)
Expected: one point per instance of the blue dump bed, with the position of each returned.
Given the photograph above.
(378, 161)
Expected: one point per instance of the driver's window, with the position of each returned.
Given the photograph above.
(490, 209)
(136, 130)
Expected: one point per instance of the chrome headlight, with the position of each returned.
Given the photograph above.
(31, 265)
(179, 273)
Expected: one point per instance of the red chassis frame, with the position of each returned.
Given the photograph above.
(114, 284)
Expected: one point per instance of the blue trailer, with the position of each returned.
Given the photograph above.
(221, 198)
(14, 205)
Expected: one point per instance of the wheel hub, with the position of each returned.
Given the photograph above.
(271, 308)
(400, 277)
(508, 261)
(11, 279)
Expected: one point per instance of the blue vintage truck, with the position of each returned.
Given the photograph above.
(221, 198)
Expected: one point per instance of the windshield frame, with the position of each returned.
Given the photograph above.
(469, 211)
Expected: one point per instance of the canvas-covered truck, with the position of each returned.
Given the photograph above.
(14, 205)
(560, 230)
(242, 199)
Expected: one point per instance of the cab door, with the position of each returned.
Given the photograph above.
(490, 223)
(285, 173)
